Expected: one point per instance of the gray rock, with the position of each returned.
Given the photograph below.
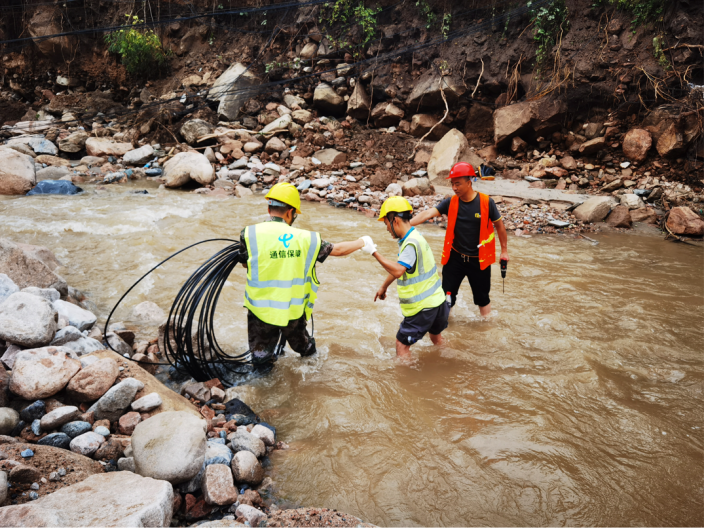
(187, 166)
(216, 453)
(50, 294)
(113, 403)
(229, 90)
(118, 498)
(9, 418)
(125, 464)
(195, 128)
(149, 313)
(147, 403)
(33, 411)
(87, 443)
(52, 173)
(246, 468)
(247, 179)
(43, 146)
(102, 431)
(77, 316)
(27, 320)
(3, 487)
(169, 446)
(75, 142)
(66, 335)
(241, 440)
(74, 429)
(118, 345)
(251, 515)
(36, 427)
(282, 122)
(58, 417)
(265, 434)
(84, 345)
(139, 156)
(7, 287)
(239, 164)
(60, 440)
(632, 201)
(595, 209)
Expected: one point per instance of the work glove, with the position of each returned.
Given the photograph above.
(369, 245)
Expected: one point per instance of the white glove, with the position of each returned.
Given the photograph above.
(369, 245)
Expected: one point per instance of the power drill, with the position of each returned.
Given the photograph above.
(504, 266)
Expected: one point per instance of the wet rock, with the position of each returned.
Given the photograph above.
(118, 344)
(128, 422)
(265, 434)
(87, 443)
(50, 294)
(7, 287)
(218, 486)
(632, 201)
(194, 129)
(48, 22)
(27, 320)
(645, 215)
(187, 166)
(230, 90)
(42, 372)
(58, 417)
(592, 146)
(246, 468)
(169, 446)
(636, 144)
(113, 403)
(74, 429)
(594, 209)
(147, 403)
(239, 411)
(387, 114)
(139, 156)
(65, 188)
(684, 221)
(23, 474)
(327, 100)
(241, 440)
(75, 142)
(619, 217)
(104, 147)
(9, 418)
(17, 172)
(120, 498)
(77, 316)
(60, 440)
(148, 312)
(359, 103)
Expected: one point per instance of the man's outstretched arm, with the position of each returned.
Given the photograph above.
(424, 216)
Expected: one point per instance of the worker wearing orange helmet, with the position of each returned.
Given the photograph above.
(470, 246)
(419, 287)
(281, 281)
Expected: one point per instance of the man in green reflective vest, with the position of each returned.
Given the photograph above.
(281, 282)
(419, 287)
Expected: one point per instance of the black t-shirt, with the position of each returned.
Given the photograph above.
(468, 223)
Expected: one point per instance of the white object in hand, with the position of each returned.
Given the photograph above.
(369, 246)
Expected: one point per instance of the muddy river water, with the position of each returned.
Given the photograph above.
(579, 403)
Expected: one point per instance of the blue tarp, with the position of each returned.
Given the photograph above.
(55, 187)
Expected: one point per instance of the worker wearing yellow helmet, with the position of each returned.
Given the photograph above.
(281, 281)
(419, 287)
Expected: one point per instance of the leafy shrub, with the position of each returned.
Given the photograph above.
(550, 21)
(644, 10)
(352, 12)
(140, 49)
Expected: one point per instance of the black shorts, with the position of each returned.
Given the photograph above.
(433, 320)
(457, 268)
(263, 338)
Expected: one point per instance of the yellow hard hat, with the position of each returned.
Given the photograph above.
(286, 193)
(395, 204)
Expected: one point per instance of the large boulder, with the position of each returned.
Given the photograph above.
(452, 148)
(426, 91)
(194, 129)
(169, 446)
(77, 316)
(42, 372)
(387, 114)
(327, 100)
(49, 22)
(232, 89)
(528, 118)
(17, 173)
(684, 221)
(636, 144)
(116, 400)
(359, 103)
(93, 381)
(595, 209)
(119, 498)
(421, 124)
(139, 156)
(106, 147)
(74, 142)
(27, 320)
(187, 166)
(619, 217)
(672, 142)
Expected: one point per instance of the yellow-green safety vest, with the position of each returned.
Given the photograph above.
(281, 280)
(423, 288)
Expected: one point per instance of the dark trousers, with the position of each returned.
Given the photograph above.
(459, 267)
(264, 337)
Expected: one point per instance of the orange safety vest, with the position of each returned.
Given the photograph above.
(487, 244)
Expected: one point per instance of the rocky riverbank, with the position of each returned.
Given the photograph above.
(90, 437)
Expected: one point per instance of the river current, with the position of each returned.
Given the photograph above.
(580, 402)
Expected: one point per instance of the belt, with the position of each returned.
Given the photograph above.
(465, 258)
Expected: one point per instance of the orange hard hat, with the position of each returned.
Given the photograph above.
(461, 170)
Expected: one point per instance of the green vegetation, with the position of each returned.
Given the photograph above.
(140, 49)
(427, 12)
(644, 10)
(353, 12)
(295, 64)
(550, 23)
(659, 53)
(445, 29)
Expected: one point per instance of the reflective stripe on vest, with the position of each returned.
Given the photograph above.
(421, 289)
(487, 244)
(281, 283)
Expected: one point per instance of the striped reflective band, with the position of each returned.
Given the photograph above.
(427, 293)
(419, 278)
(279, 305)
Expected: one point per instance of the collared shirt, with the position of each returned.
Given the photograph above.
(325, 247)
